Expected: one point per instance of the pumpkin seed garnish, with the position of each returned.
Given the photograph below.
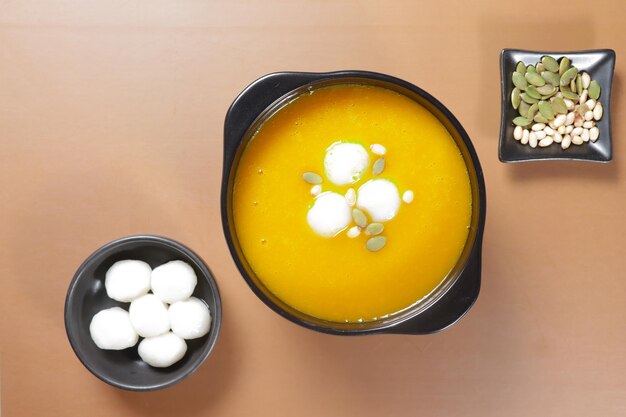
(546, 110)
(521, 121)
(374, 229)
(579, 84)
(521, 68)
(312, 178)
(550, 63)
(569, 95)
(559, 106)
(376, 243)
(540, 119)
(532, 92)
(523, 108)
(379, 166)
(532, 110)
(359, 217)
(528, 99)
(515, 98)
(551, 77)
(535, 79)
(569, 75)
(564, 65)
(546, 90)
(594, 90)
(519, 81)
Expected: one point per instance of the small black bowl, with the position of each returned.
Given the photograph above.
(86, 296)
(599, 64)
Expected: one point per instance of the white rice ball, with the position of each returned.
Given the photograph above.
(173, 281)
(329, 215)
(190, 319)
(149, 316)
(112, 329)
(163, 350)
(127, 280)
(345, 163)
(380, 199)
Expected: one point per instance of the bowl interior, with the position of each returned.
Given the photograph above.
(477, 185)
(599, 64)
(87, 296)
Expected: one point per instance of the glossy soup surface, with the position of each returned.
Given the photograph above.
(337, 279)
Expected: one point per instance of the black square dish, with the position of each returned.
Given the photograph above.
(599, 64)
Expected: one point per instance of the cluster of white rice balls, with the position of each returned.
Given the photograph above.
(164, 317)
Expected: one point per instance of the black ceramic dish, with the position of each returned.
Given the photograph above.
(599, 64)
(87, 295)
(459, 290)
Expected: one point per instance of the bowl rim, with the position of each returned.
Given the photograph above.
(311, 80)
(504, 84)
(161, 240)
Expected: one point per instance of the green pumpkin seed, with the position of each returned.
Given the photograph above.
(521, 68)
(540, 119)
(568, 76)
(569, 95)
(532, 91)
(523, 108)
(550, 63)
(376, 243)
(535, 79)
(559, 106)
(546, 110)
(530, 68)
(532, 110)
(546, 90)
(519, 81)
(312, 178)
(515, 98)
(379, 166)
(528, 99)
(563, 65)
(594, 90)
(579, 84)
(540, 68)
(359, 217)
(551, 77)
(520, 121)
(374, 229)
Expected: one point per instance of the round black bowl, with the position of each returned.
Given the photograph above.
(86, 296)
(458, 291)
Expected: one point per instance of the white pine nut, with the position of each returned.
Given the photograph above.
(540, 134)
(560, 120)
(569, 103)
(585, 135)
(589, 124)
(598, 111)
(594, 134)
(518, 132)
(547, 141)
(538, 126)
(569, 119)
(532, 140)
(577, 140)
(589, 115)
(590, 103)
(525, 135)
(577, 131)
(557, 137)
(568, 129)
(561, 130)
(549, 131)
(583, 97)
(567, 140)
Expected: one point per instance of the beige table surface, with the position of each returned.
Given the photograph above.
(111, 118)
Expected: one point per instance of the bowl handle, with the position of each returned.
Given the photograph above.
(452, 306)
